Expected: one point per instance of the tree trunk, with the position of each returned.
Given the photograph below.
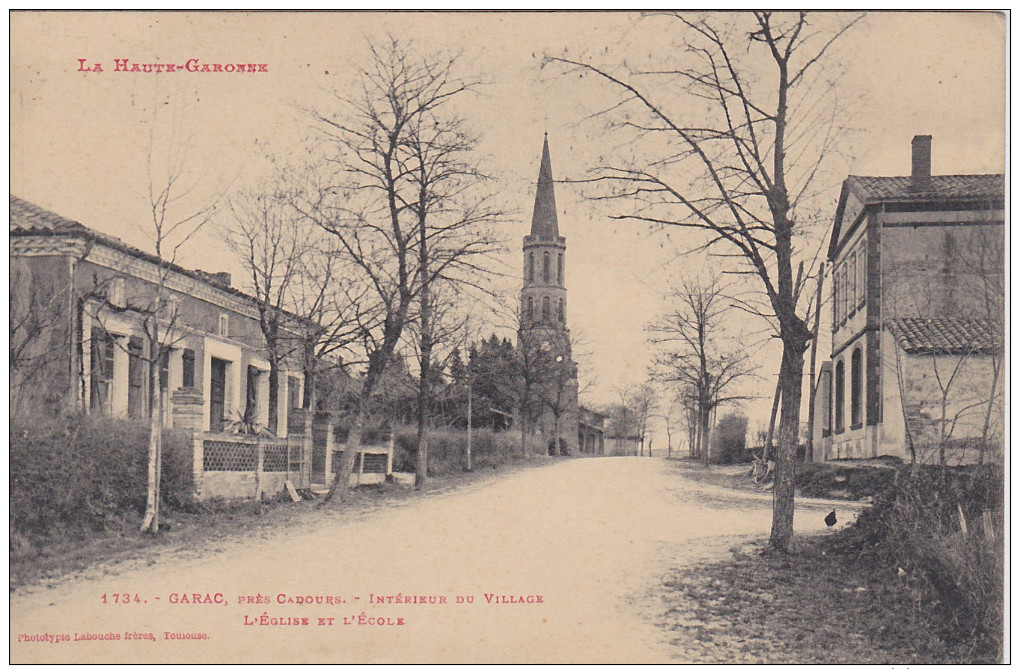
(421, 467)
(790, 379)
(809, 453)
(467, 457)
(273, 417)
(150, 522)
(767, 451)
(996, 366)
(706, 447)
(342, 478)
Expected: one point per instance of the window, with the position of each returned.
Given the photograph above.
(855, 389)
(851, 284)
(843, 302)
(136, 378)
(531, 309)
(545, 308)
(293, 393)
(827, 428)
(559, 269)
(839, 397)
(835, 299)
(531, 266)
(862, 275)
(102, 371)
(188, 368)
(559, 311)
(224, 328)
(545, 267)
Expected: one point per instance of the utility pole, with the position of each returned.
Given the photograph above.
(470, 384)
(809, 453)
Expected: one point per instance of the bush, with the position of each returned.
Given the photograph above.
(71, 475)
(730, 440)
(819, 479)
(944, 529)
(447, 449)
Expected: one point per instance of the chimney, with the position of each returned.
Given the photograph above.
(223, 278)
(920, 162)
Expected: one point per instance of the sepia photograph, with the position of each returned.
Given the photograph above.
(531, 337)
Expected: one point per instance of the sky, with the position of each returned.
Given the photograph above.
(79, 138)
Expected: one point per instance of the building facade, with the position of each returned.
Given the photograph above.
(82, 299)
(543, 337)
(917, 299)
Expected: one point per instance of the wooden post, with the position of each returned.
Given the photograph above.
(469, 423)
(389, 458)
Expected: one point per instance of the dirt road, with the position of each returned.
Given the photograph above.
(554, 564)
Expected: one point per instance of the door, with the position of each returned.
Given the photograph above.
(217, 394)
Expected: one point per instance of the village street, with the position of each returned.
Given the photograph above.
(583, 542)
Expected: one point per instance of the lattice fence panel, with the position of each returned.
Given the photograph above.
(375, 463)
(274, 458)
(229, 456)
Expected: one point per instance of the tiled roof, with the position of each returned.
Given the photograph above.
(945, 187)
(945, 335)
(27, 217)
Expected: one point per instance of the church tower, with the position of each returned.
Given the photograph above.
(544, 320)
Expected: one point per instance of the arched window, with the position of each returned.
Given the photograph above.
(839, 396)
(545, 308)
(559, 311)
(559, 269)
(855, 389)
(531, 266)
(531, 309)
(545, 267)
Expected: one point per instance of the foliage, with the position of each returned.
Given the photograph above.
(731, 439)
(447, 450)
(73, 474)
(941, 530)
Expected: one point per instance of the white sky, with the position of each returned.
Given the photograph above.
(78, 140)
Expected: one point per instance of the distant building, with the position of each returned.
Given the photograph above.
(591, 432)
(917, 323)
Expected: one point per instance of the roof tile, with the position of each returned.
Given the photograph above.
(945, 335)
(950, 186)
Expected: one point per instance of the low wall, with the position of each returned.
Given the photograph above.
(237, 466)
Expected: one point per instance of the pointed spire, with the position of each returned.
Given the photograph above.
(543, 220)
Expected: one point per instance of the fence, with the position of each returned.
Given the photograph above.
(242, 465)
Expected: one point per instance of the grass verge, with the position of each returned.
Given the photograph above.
(812, 606)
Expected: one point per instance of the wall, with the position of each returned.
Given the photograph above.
(932, 269)
(41, 312)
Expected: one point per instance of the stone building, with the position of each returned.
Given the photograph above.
(917, 317)
(543, 338)
(89, 351)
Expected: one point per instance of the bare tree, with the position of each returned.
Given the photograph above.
(270, 242)
(401, 202)
(696, 355)
(743, 171)
(175, 219)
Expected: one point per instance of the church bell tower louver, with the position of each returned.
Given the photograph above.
(543, 319)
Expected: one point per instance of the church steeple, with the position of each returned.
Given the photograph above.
(544, 293)
(543, 220)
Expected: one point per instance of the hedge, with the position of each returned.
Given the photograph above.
(71, 475)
